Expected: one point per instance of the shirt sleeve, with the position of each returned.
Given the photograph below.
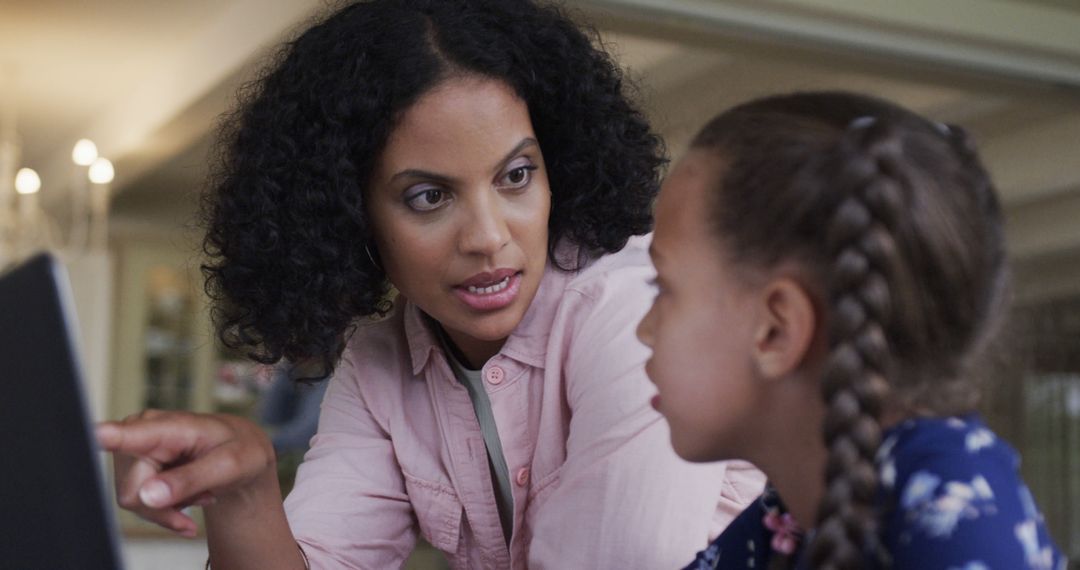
(961, 504)
(349, 507)
(624, 499)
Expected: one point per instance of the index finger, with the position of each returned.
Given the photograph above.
(160, 439)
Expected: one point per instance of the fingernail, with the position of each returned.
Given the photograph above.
(104, 431)
(154, 494)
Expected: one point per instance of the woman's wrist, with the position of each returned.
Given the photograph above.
(303, 555)
(247, 528)
(263, 492)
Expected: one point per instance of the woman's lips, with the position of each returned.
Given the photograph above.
(490, 291)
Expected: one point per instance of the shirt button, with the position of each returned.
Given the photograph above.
(522, 476)
(495, 375)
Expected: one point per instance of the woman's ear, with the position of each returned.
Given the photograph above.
(786, 328)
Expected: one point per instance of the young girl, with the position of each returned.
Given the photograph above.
(830, 268)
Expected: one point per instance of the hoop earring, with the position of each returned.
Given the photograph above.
(372, 258)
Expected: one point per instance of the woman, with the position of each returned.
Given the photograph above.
(482, 159)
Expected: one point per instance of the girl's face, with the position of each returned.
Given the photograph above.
(459, 202)
(700, 327)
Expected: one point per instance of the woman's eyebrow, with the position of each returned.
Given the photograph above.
(525, 143)
(424, 174)
(442, 178)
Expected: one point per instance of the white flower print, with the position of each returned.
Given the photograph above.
(886, 463)
(1027, 502)
(1038, 558)
(973, 565)
(938, 508)
(920, 489)
(887, 474)
(979, 439)
(940, 517)
(956, 423)
(710, 558)
(982, 488)
(885, 450)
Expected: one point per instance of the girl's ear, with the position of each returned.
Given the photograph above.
(786, 328)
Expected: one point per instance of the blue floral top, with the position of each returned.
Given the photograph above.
(951, 499)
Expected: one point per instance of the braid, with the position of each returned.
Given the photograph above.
(865, 259)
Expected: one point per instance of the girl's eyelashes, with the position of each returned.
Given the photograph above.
(426, 199)
(657, 285)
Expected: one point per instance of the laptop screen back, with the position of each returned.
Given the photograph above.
(53, 508)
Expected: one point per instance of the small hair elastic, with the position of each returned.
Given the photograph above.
(862, 122)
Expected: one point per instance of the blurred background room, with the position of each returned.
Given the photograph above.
(145, 82)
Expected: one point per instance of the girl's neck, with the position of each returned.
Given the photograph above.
(785, 443)
(794, 462)
(795, 466)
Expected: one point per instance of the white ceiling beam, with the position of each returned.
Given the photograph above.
(1050, 226)
(1012, 40)
(1037, 161)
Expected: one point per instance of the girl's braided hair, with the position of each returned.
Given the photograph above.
(897, 221)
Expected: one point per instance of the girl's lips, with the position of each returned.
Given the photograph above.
(655, 401)
(489, 294)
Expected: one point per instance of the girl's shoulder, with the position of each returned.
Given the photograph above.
(921, 450)
(962, 443)
(952, 494)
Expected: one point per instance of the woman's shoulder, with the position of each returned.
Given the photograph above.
(378, 330)
(628, 268)
(376, 342)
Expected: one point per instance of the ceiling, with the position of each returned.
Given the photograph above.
(147, 79)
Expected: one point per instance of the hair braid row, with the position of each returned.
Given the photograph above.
(860, 242)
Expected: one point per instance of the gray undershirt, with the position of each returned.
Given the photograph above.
(500, 474)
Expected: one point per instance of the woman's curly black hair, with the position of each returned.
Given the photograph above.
(288, 236)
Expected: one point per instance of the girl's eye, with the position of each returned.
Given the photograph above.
(426, 200)
(519, 176)
(658, 288)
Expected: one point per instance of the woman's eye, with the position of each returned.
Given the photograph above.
(518, 177)
(426, 200)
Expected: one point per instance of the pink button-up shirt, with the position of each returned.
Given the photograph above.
(595, 482)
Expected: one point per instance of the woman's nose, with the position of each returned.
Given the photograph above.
(485, 230)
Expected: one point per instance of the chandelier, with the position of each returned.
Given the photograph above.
(25, 225)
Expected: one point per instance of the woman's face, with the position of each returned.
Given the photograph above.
(700, 327)
(459, 202)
